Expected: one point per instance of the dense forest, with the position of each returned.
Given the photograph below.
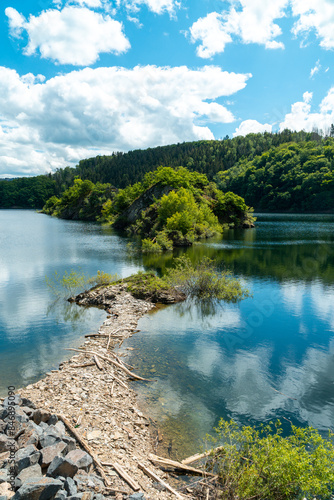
(170, 207)
(272, 171)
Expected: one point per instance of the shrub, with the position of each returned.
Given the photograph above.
(204, 281)
(261, 464)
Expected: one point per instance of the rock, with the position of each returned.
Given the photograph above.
(4, 457)
(4, 475)
(7, 444)
(50, 452)
(26, 457)
(3, 413)
(28, 437)
(81, 459)
(61, 495)
(30, 472)
(70, 486)
(28, 411)
(136, 496)
(3, 497)
(3, 426)
(70, 442)
(6, 490)
(17, 400)
(61, 466)
(28, 403)
(49, 437)
(18, 414)
(40, 416)
(95, 434)
(60, 428)
(98, 496)
(39, 488)
(52, 420)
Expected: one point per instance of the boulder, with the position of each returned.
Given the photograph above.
(33, 471)
(17, 400)
(7, 444)
(52, 420)
(40, 416)
(50, 452)
(28, 403)
(26, 457)
(62, 466)
(70, 486)
(4, 475)
(61, 495)
(39, 488)
(81, 459)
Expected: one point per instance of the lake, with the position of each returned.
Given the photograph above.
(272, 355)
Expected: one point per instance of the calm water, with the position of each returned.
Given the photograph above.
(34, 329)
(270, 356)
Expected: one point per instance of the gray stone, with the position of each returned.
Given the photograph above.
(71, 443)
(40, 416)
(28, 411)
(136, 496)
(52, 420)
(7, 444)
(61, 466)
(60, 428)
(96, 481)
(34, 427)
(61, 495)
(17, 400)
(50, 452)
(18, 415)
(49, 437)
(3, 497)
(26, 457)
(39, 488)
(70, 486)
(28, 437)
(43, 426)
(3, 413)
(4, 457)
(33, 471)
(27, 402)
(4, 475)
(81, 459)
(99, 496)
(3, 426)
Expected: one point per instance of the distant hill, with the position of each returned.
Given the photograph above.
(247, 170)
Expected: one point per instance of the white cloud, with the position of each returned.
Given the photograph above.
(211, 32)
(156, 6)
(315, 17)
(252, 127)
(252, 21)
(73, 35)
(316, 69)
(45, 125)
(301, 117)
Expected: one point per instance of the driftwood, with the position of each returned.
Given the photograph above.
(86, 447)
(131, 374)
(156, 478)
(121, 472)
(103, 335)
(84, 365)
(194, 458)
(97, 362)
(165, 462)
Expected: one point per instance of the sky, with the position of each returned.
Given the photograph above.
(81, 78)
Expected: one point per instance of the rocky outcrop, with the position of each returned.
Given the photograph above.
(40, 460)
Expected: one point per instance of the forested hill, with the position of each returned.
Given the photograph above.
(246, 170)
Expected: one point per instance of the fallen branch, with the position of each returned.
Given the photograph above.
(131, 374)
(165, 462)
(97, 362)
(86, 447)
(156, 478)
(121, 472)
(198, 456)
(103, 335)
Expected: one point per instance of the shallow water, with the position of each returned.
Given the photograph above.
(271, 356)
(34, 328)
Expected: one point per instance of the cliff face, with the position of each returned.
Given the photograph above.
(131, 214)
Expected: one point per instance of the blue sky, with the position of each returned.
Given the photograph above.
(80, 78)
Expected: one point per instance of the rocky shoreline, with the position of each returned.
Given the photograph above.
(91, 393)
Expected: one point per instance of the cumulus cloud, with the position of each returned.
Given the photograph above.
(156, 6)
(52, 123)
(302, 118)
(252, 21)
(73, 35)
(252, 127)
(317, 17)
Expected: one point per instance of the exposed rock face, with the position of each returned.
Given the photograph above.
(131, 214)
